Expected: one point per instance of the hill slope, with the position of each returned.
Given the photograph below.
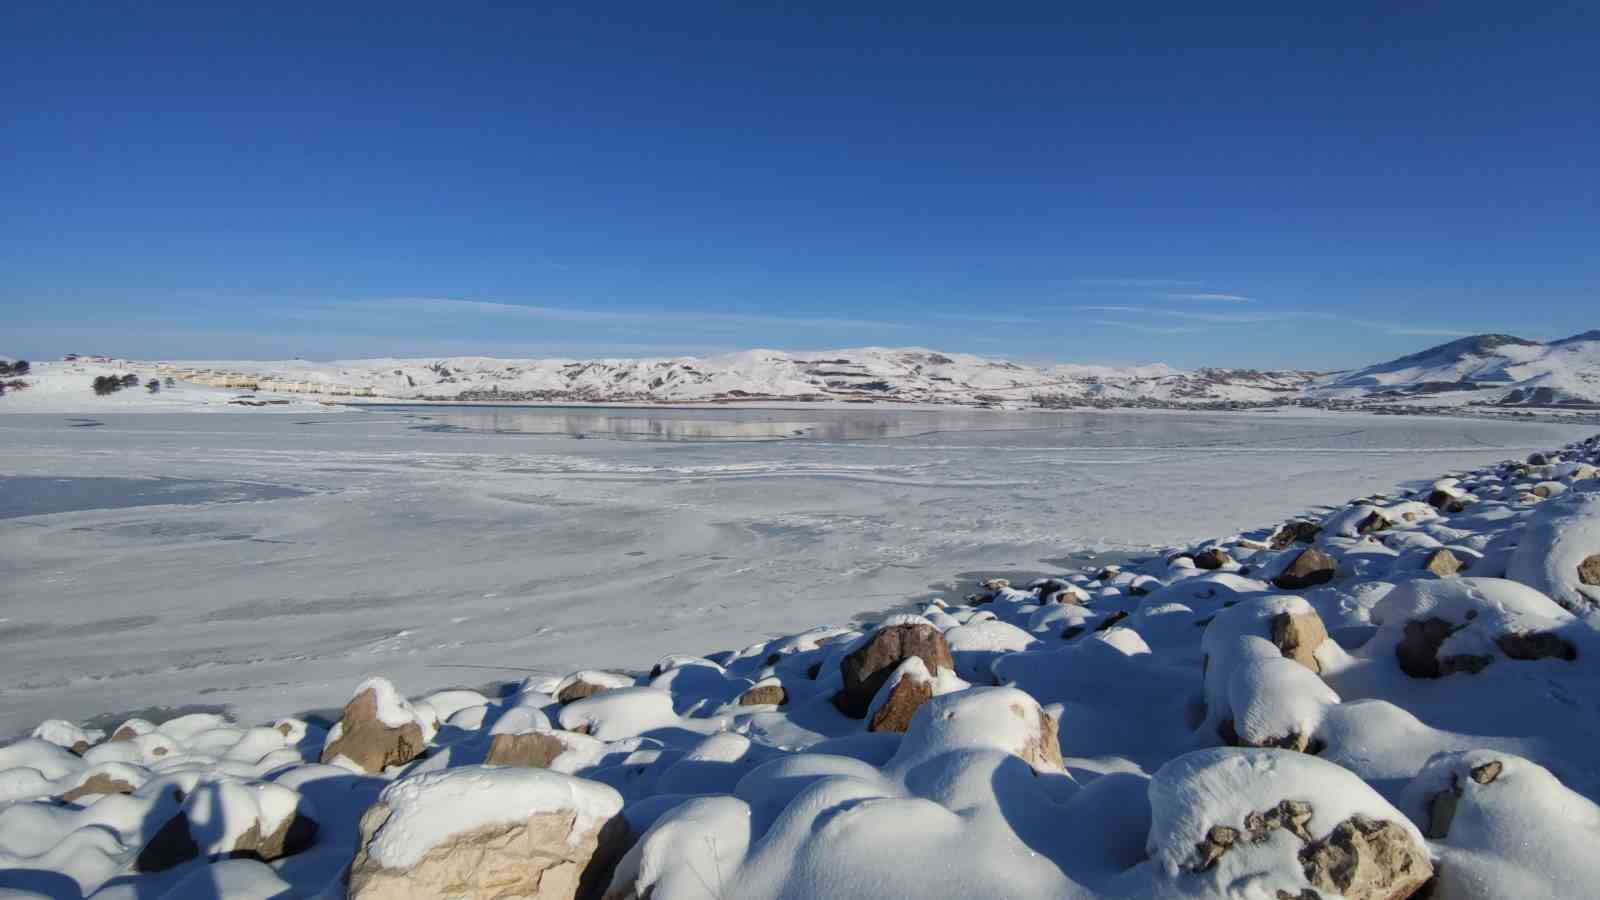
(1485, 368)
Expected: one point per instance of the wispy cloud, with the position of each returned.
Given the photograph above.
(1217, 298)
(1187, 314)
(1430, 332)
(456, 308)
(1146, 329)
(1138, 282)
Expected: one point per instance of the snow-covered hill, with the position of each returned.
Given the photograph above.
(1485, 368)
(912, 375)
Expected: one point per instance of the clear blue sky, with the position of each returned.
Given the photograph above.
(1257, 184)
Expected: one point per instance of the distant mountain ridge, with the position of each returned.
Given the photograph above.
(1498, 369)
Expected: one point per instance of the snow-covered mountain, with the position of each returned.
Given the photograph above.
(1484, 368)
(863, 374)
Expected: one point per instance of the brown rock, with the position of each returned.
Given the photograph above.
(96, 784)
(1298, 635)
(1375, 522)
(1112, 621)
(1488, 772)
(764, 695)
(1418, 651)
(1440, 499)
(1589, 571)
(579, 690)
(1218, 841)
(1312, 567)
(540, 858)
(905, 698)
(1212, 558)
(369, 743)
(534, 748)
(870, 665)
(1443, 563)
(1298, 531)
(1536, 645)
(124, 733)
(1367, 859)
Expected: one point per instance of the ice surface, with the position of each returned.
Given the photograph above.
(352, 543)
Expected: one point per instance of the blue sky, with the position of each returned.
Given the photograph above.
(1247, 184)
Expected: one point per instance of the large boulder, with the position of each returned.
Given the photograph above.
(869, 666)
(1310, 568)
(901, 696)
(225, 819)
(1559, 552)
(1286, 824)
(489, 832)
(378, 729)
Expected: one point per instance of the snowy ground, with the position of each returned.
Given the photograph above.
(263, 564)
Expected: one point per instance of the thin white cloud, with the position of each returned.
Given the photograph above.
(1218, 298)
(449, 306)
(1138, 282)
(1146, 329)
(1431, 332)
(1188, 315)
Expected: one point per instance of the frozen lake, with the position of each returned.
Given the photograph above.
(265, 562)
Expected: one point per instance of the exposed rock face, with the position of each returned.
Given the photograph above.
(768, 694)
(1042, 750)
(1312, 567)
(905, 698)
(579, 689)
(1589, 571)
(98, 783)
(1298, 531)
(869, 667)
(1488, 772)
(368, 742)
(1418, 651)
(1298, 635)
(1536, 645)
(1367, 859)
(540, 858)
(533, 748)
(1443, 563)
(174, 843)
(1212, 558)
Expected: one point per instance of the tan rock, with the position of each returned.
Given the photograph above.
(1212, 558)
(1367, 859)
(1298, 635)
(1488, 772)
(579, 690)
(368, 742)
(868, 668)
(534, 748)
(540, 858)
(1312, 567)
(96, 784)
(1589, 571)
(768, 694)
(1042, 750)
(1443, 563)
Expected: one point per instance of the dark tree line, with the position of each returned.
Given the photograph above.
(105, 385)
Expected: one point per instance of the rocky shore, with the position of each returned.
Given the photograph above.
(1393, 699)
